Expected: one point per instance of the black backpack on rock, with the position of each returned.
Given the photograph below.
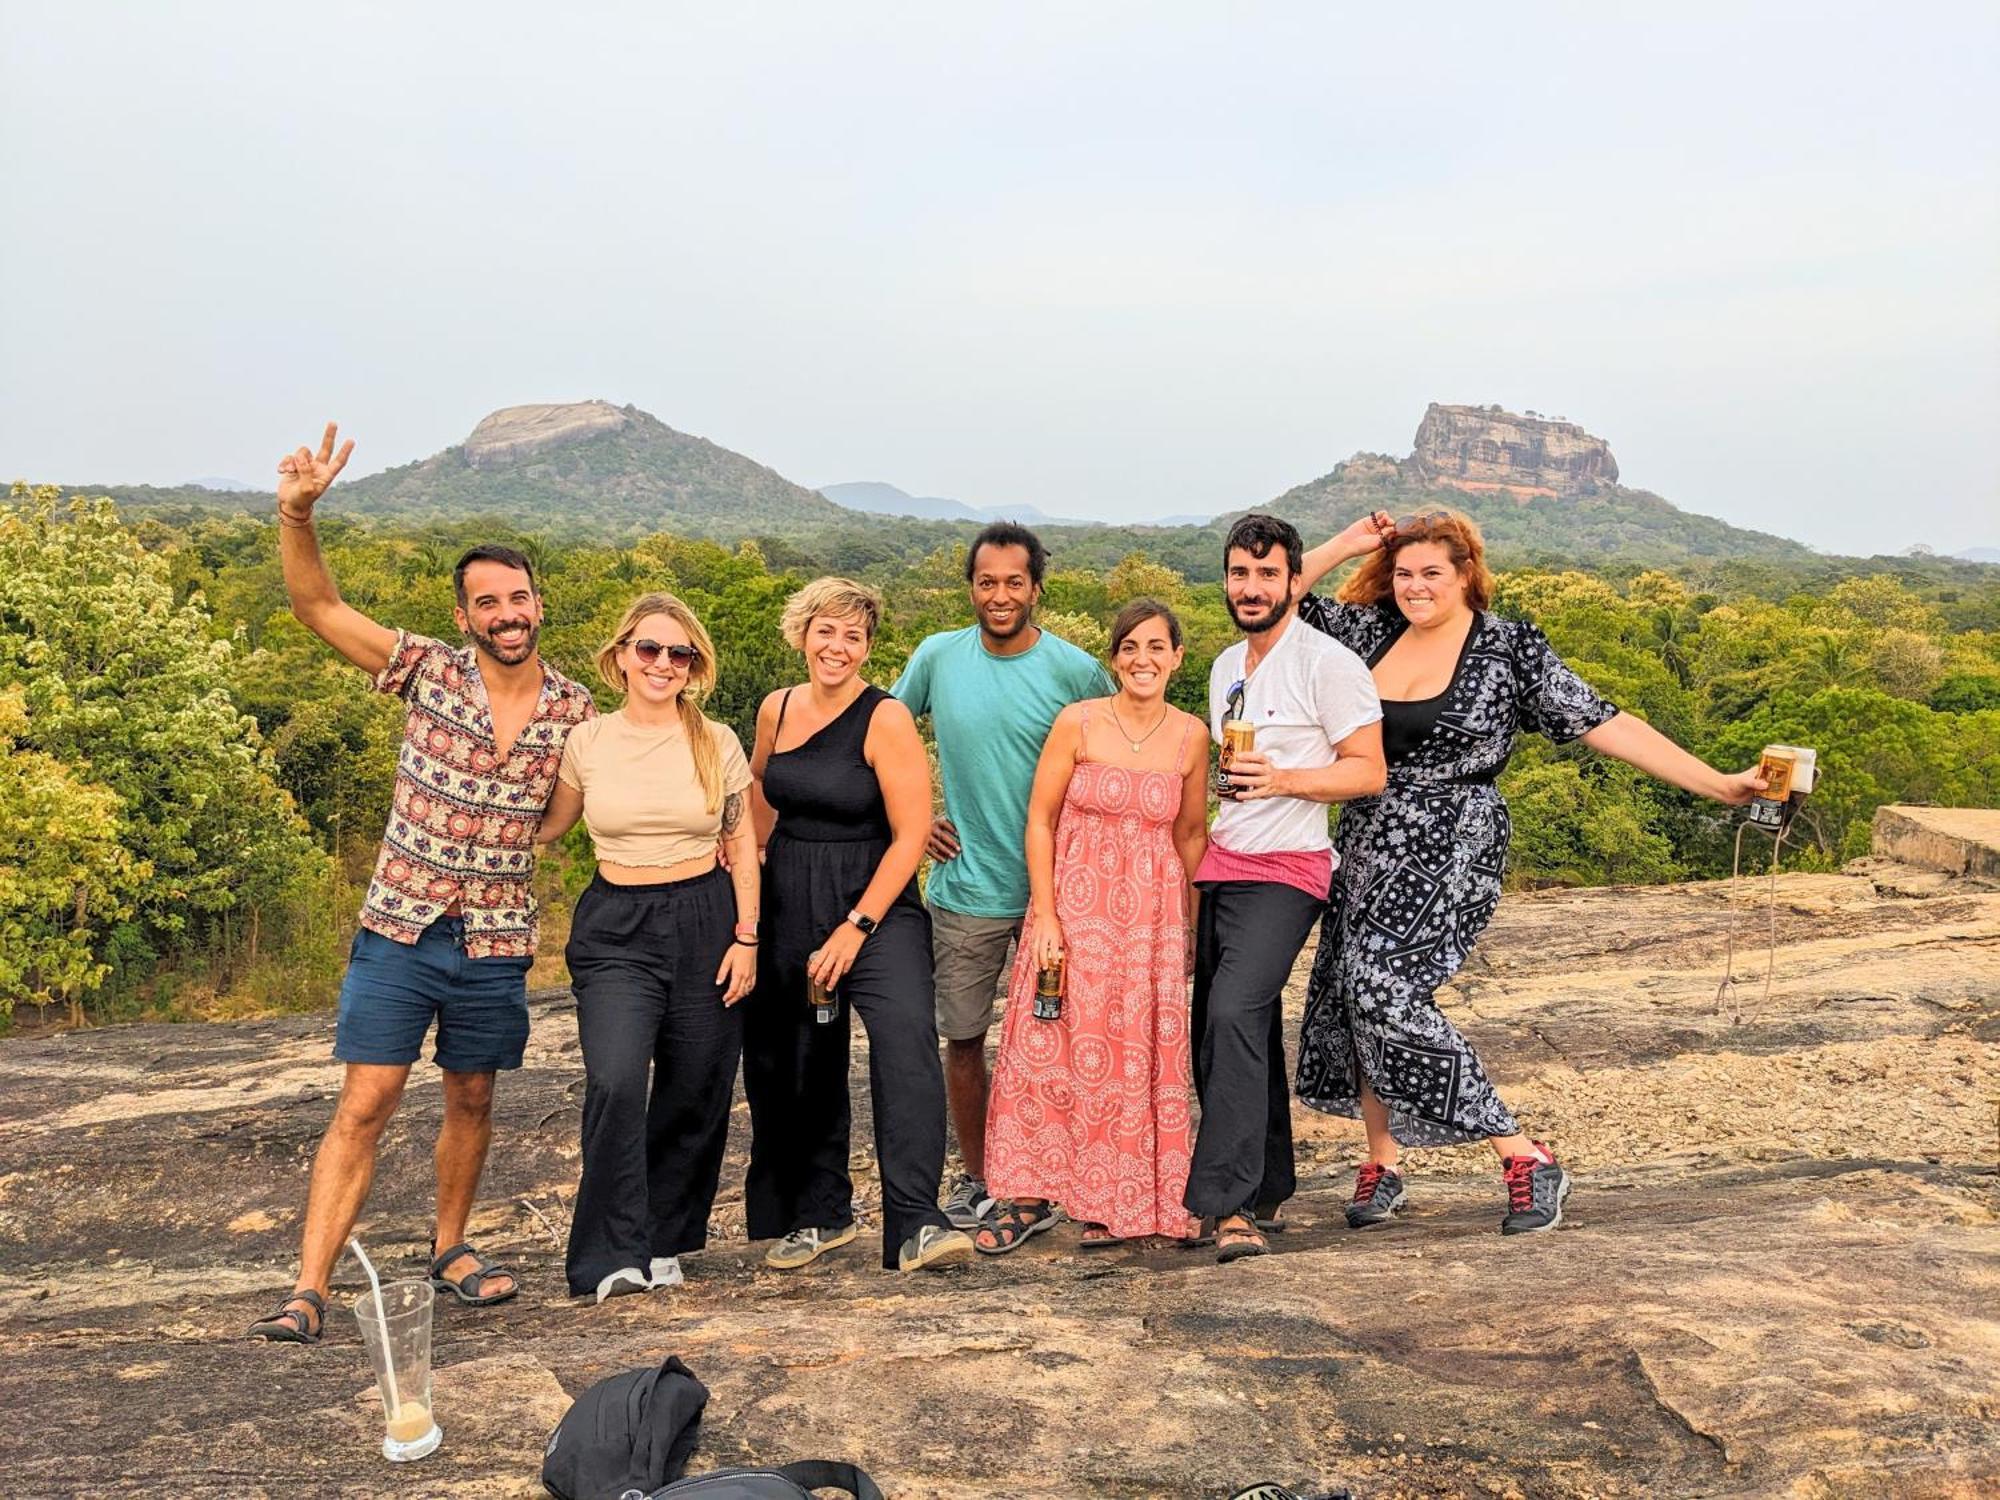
(629, 1438)
(787, 1482)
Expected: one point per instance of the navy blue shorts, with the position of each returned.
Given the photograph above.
(394, 990)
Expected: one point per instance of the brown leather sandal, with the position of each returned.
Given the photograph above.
(1237, 1237)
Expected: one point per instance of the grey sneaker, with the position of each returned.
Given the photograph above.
(933, 1246)
(1535, 1193)
(969, 1203)
(1378, 1194)
(804, 1246)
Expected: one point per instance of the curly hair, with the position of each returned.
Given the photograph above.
(1374, 582)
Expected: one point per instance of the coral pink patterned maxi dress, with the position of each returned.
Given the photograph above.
(1092, 1110)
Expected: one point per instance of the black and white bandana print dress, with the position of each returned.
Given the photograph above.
(1419, 876)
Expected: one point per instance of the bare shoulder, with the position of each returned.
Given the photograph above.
(768, 709)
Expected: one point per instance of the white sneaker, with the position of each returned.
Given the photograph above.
(621, 1282)
(666, 1271)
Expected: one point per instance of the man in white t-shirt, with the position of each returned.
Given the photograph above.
(1269, 867)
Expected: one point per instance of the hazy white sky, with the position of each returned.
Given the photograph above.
(1122, 260)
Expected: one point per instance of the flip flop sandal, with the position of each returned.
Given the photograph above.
(1102, 1239)
(467, 1287)
(288, 1325)
(1232, 1243)
(1012, 1225)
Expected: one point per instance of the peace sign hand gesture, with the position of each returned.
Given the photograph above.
(304, 476)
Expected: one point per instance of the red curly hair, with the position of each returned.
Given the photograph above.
(1374, 582)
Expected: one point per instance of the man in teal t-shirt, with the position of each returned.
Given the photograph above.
(992, 690)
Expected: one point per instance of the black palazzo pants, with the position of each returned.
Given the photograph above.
(795, 1069)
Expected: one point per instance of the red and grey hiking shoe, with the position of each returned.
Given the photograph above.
(1536, 1187)
(1378, 1194)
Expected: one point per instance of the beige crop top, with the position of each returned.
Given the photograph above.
(642, 800)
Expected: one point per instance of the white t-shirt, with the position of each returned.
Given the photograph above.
(1308, 693)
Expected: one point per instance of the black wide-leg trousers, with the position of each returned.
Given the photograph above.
(1247, 936)
(659, 1059)
(795, 1074)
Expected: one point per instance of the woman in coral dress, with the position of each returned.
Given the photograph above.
(1091, 1110)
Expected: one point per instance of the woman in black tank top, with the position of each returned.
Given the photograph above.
(842, 802)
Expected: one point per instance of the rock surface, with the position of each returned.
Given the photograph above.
(512, 433)
(1956, 840)
(1778, 1275)
(1483, 447)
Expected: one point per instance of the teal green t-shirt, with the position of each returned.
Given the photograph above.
(990, 715)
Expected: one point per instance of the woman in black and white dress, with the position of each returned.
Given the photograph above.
(1421, 864)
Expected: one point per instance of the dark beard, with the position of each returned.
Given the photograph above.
(1022, 620)
(1270, 621)
(522, 652)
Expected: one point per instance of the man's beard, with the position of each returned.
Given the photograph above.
(507, 656)
(1023, 618)
(1271, 618)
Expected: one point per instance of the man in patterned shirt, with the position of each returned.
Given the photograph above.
(448, 927)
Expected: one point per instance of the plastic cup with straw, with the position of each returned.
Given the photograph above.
(396, 1327)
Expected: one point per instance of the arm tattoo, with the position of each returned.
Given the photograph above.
(732, 813)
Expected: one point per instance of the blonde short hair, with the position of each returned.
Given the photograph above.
(841, 598)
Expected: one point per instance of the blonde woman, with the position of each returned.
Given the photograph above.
(841, 794)
(661, 949)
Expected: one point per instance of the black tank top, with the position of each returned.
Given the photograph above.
(1408, 722)
(824, 791)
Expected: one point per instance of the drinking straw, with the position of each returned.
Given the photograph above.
(382, 1321)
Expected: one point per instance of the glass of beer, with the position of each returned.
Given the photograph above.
(825, 1004)
(397, 1332)
(1238, 735)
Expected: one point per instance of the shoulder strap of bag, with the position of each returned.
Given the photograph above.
(820, 1473)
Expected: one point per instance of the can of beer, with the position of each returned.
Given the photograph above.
(825, 1003)
(1238, 735)
(1049, 991)
(1776, 766)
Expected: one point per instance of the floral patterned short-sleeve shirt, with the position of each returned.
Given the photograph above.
(463, 823)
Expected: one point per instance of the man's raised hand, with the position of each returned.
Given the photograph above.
(304, 476)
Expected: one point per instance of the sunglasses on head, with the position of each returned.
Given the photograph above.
(649, 652)
(1422, 520)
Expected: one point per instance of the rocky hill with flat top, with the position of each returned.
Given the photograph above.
(1777, 1275)
(1485, 448)
(611, 470)
(514, 432)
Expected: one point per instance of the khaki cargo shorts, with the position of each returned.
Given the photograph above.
(969, 958)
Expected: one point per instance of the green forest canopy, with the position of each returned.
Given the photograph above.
(194, 784)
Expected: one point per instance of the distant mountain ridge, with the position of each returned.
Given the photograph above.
(1543, 490)
(876, 498)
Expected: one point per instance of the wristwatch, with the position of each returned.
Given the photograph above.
(865, 923)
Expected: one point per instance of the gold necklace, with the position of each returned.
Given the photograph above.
(1135, 744)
